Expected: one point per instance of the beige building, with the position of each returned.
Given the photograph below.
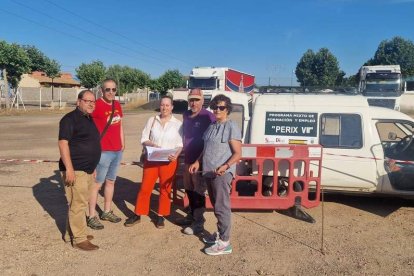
(39, 79)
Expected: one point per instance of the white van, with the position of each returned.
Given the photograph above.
(366, 149)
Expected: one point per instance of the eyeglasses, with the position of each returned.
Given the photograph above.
(88, 101)
(194, 100)
(109, 90)
(215, 107)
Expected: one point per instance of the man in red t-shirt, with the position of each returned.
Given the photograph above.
(112, 144)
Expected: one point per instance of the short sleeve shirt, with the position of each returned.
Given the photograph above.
(111, 141)
(194, 129)
(83, 139)
(217, 149)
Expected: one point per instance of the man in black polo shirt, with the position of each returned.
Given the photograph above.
(80, 151)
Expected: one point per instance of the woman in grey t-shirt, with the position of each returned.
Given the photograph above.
(222, 151)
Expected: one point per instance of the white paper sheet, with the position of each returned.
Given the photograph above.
(159, 154)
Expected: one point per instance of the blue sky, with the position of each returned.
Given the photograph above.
(266, 38)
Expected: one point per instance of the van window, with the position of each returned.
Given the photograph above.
(397, 142)
(396, 139)
(341, 131)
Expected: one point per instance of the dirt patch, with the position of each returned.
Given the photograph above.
(362, 235)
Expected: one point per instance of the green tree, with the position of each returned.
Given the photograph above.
(38, 60)
(169, 80)
(318, 69)
(395, 51)
(155, 85)
(128, 78)
(15, 60)
(304, 69)
(340, 79)
(52, 70)
(92, 74)
(352, 80)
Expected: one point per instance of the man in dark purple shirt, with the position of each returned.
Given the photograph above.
(195, 121)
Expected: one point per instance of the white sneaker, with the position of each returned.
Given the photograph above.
(193, 230)
(219, 248)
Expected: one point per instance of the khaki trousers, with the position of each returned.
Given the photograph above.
(77, 197)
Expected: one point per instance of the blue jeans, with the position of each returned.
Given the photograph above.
(108, 166)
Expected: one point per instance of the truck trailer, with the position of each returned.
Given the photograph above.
(215, 79)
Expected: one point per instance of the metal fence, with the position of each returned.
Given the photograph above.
(45, 97)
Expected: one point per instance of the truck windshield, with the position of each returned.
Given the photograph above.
(203, 83)
(384, 84)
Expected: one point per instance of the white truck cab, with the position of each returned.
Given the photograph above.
(382, 85)
(366, 149)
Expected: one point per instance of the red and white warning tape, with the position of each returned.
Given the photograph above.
(27, 161)
(53, 161)
(398, 161)
(372, 158)
(353, 156)
(136, 163)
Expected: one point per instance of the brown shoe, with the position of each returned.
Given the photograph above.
(88, 237)
(86, 246)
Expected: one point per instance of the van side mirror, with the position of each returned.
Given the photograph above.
(392, 136)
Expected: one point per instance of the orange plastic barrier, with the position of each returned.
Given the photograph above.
(296, 181)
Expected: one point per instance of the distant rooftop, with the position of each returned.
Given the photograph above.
(65, 78)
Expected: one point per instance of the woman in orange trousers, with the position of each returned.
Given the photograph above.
(162, 131)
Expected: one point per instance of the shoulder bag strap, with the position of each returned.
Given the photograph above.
(152, 125)
(109, 121)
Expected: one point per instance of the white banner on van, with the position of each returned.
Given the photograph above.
(291, 128)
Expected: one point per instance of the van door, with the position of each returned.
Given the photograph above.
(398, 165)
(348, 163)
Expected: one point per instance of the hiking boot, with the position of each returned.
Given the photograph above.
(185, 221)
(211, 239)
(86, 246)
(94, 223)
(160, 222)
(219, 248)
(110, 216)
(193, 229)
(132, 220)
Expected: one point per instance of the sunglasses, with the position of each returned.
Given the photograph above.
(88, 101)
(109, 90)
(215, 107)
